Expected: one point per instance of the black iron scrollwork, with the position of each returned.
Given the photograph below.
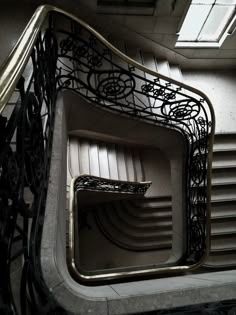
(160, 102)
(88, 182)
(74, 59)
(111, 85)
(26, 137)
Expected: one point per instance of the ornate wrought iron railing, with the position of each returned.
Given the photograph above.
(47, 59)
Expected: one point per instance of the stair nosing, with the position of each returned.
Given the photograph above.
(217, 167)
(223, 150)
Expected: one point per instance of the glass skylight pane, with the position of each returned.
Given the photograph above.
(203, 2)
(193, 22)
(216, 22)
(226, 2)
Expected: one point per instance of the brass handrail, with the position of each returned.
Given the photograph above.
(13, 67)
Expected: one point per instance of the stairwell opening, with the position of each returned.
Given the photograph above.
(134, 231)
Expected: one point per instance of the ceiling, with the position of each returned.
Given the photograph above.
(153, 31)
(157, 31)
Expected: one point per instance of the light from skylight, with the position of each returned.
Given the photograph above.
(215, 23)
(226, 2)
(206, 23)
(192, 25)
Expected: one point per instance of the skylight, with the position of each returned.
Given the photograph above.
(207, 23)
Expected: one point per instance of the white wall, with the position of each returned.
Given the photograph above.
(220, 87)
(13, 19)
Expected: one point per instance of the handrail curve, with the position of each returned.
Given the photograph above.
(14, 65)
(66, 60)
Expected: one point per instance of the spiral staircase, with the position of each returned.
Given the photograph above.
(157, 213)
(124, 145)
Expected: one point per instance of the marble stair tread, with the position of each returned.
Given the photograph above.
(104, 159)
(223, 227)
(222, 200)
(225, 208)
(223, 193)
(219, 150)
(225, 141)
(120, 161)
(149, 222)
(136, 216)
(228, 183)
(224, 249)
(155, 213)
(224, 162)
(215, 234)
(222, 217)
(175, 72)
(126, 239)
(225, 166)
(148, 60)
(156, 202)
(223, 180)
(143, 226)
(220, 242)
(135, 231)
(221, 261)
(163, 67)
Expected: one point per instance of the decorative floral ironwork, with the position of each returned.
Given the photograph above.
(83, 64)
(184, 109)
(26, 137)
(158, 101)
(111, 85)
(34, 144)
(88, 182)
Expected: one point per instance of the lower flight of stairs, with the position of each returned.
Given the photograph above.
(223, 203)
(135, 224)
(144, 224)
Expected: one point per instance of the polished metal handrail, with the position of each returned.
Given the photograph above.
(12, 69)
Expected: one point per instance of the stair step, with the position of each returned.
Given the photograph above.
(220, 201)
(107, 160)
(217, 260)
(223, 243)
(176, 73)
(224, 158)
(134, 53)
(226, 166)
(223, 250)
(112, 229)
(223, 192)
(147, 225)
(225, 141)
(156, 213)
(223, 184)
(223, 175)
(228, 215)
(112, 161)
(216, 235)
(103, 161)
(222, 218)
(162, 67)
(148, 60)
(224, 259)
(224, 208)
(140, 231)
(155, 202)
(223, 151)
(222, 226)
